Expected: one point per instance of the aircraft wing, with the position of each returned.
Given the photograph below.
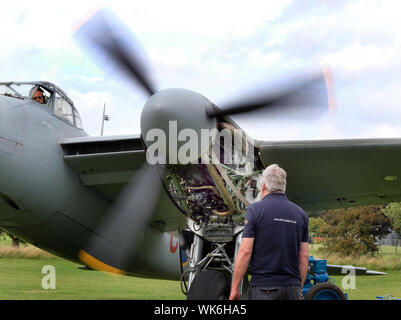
(106, 164)
(331, 174)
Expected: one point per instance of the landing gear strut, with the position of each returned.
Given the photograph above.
(209, 275)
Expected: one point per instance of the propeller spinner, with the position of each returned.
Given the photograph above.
(177, 115)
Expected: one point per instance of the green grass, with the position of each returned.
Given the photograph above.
(368, 287)
(21, 278)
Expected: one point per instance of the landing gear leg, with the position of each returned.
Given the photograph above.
(209, 276)
(195, 256)
(244, 287)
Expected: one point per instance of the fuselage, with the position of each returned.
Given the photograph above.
(44, 202)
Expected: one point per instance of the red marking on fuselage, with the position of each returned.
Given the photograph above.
(173, 249)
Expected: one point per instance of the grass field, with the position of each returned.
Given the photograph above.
(21, 278)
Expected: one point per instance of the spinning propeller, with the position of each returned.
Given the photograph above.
(114, 246)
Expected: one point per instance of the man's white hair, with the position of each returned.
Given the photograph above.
(274, 178)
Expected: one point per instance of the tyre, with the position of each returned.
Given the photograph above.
(325, 291)
(209, 285)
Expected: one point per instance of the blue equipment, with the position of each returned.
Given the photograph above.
(318, 285)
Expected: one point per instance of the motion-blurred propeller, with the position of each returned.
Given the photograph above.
(103, 34)
(296, 98)
(114, 246)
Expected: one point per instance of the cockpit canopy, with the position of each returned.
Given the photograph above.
(53, 98)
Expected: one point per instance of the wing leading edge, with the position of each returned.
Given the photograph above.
(106, 164)
(331, 174)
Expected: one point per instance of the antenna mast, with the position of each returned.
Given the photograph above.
(105, 117)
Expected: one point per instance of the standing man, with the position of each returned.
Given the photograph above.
(275, 242)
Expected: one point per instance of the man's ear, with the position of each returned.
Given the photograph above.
(263, 191)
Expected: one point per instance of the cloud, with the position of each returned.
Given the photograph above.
(219, 49)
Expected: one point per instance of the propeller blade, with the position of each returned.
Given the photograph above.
(113, 248)
(306, 97)
(104, 33)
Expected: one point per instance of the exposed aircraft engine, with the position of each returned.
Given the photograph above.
(215, 195)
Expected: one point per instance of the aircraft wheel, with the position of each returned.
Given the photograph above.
(209, 285)
(325, 291)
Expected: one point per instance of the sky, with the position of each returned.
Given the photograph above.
(223, 50)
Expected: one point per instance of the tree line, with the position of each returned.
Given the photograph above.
(355, 231)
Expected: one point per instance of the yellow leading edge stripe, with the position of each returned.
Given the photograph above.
(96, 264)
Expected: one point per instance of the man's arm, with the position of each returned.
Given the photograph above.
(241, 266)
(303, 261)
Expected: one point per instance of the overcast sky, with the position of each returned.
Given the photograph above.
(220, 49)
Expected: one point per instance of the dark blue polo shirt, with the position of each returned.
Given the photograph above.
(278, 226)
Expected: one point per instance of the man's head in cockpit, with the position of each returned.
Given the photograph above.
(38, 96)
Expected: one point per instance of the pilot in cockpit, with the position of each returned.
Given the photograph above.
(38, 96)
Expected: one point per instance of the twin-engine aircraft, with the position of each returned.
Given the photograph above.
(170, 202)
